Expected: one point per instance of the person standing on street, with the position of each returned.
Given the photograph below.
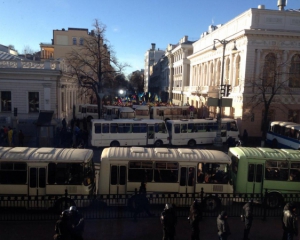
(63, 227)
(223, 227)
(77, 223)
(248, 214)
(168, 219)
(290, 222)
(194, 219)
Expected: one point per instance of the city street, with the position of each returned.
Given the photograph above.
(146, 229)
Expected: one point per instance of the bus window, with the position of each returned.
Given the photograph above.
(113, 128)
(183, 128)
(122, 179)
(114, 175)
(276, 170)
(160, 113)
(182, 176)
(166, 172)
(160, 128)
(232, 126)
(295, 172)
(13, 173)
(191, 178)
(250, 172)
(176, 128)
(97, 127)
(105, 128)
(200, 174)
(191, 128)
(140, 171)
(259, 172)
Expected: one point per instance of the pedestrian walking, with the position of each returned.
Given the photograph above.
(194, 219)
(290, 225)
(77, 223)
(141, 203)
(21, 138)
(63, 227)
(248, 218)
(223, 227)
(168, 219)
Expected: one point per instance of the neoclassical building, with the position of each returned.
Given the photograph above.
(246, 46)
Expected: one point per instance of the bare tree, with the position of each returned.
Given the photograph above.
(94, 64)
(276, 80)
(137, 81)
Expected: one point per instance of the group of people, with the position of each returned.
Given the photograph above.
(8, 137)
(70, 225)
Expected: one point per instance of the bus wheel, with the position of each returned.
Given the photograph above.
(115, 144)
(158, 143)
(274, 200)
(274, 143)
(211, 203)
(192, 143)
(63, 204)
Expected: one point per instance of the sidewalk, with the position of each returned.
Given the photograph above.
(145, 228)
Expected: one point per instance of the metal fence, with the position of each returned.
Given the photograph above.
(20, 208)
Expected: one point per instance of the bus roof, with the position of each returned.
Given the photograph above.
(199, 120)
(165, 107)
(126, 109)
(45, 154)
(165, 154)
(134, 120)
(264, 153)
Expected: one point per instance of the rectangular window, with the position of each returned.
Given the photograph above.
(74, 41)
(81, 41)
(295, 172)
(140, 171)
(34, 101)
(166, 172)
(13, 173)
(214, 173)
(276, 170)
(5, 101)
(97, 127)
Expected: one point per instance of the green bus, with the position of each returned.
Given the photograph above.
(261, 170)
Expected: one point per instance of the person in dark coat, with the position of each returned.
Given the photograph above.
(77, 222)
(245, 138)
(223, 227)
(168, 219)
(194, 219)
(290, 222)
(248, 214)
(141, 202)
(63, 227)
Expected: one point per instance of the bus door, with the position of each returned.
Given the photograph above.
(37, 181)
(187, 179)
(117, 179)
(150, 134)
(254, 178)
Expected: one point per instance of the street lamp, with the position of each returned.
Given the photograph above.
(218, 140)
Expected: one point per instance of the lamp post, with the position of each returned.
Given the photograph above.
(218, 140)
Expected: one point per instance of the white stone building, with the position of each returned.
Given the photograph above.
(258, 33)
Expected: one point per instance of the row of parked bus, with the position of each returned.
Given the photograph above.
(90, 111)
(50, 171)
(143, 132)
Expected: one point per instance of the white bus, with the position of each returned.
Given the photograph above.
(128, 132)
(191, 132)
(171, 112)
(43, 172)
(164, 170)
(118, 112)
(88, 111)
(142, 111)
(284, 135)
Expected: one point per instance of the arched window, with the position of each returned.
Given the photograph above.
(227, 71)
(294, 74)
(212, 74)
(270, 70)
(237, 70)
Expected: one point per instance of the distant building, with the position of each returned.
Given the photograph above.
(151, 57)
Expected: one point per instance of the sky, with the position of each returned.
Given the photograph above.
(131, 25)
